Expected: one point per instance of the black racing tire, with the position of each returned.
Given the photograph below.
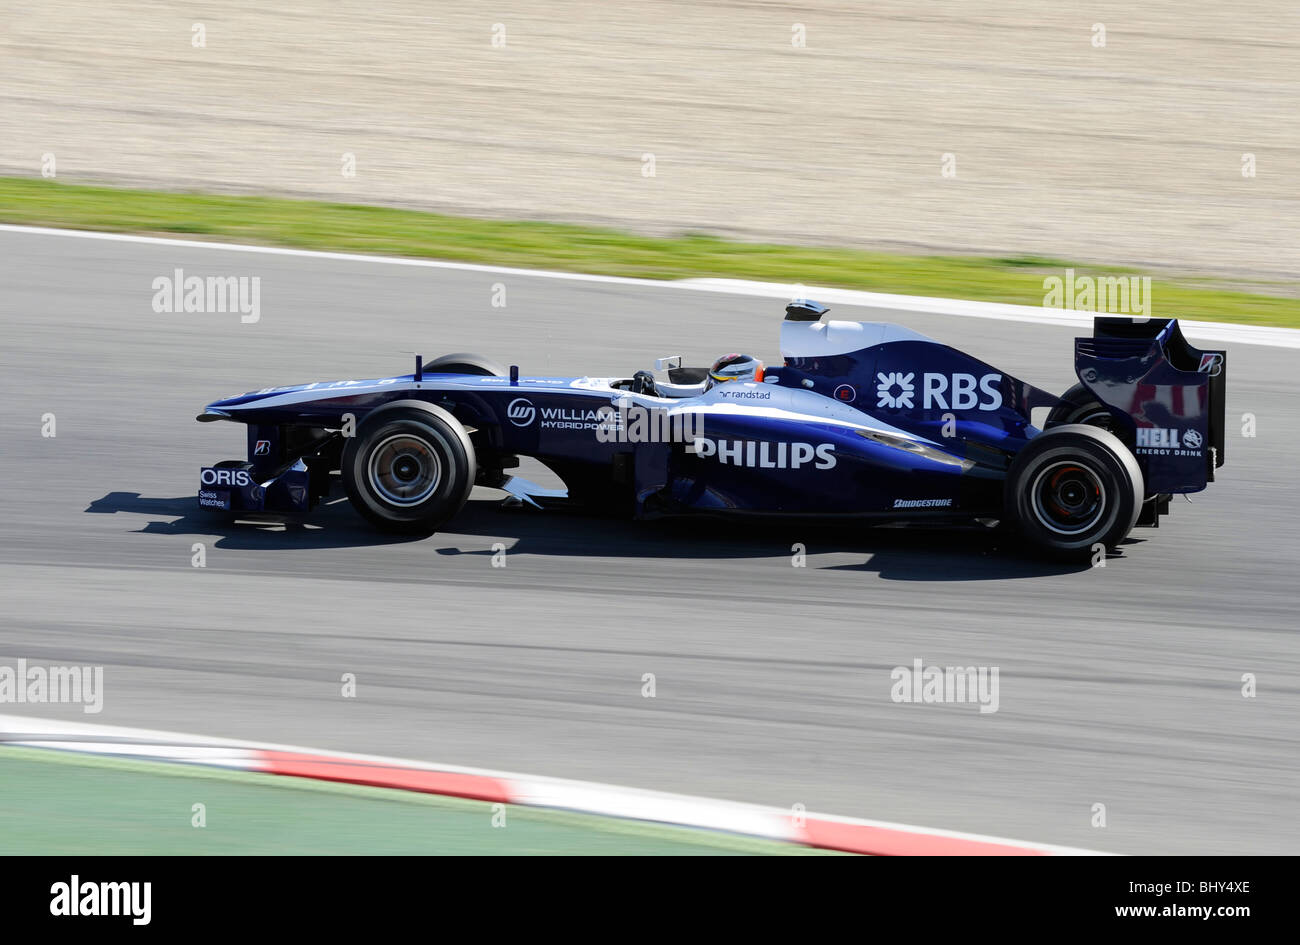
(410, 467)
(465, 362)
(1079, 405)
(1071, 488)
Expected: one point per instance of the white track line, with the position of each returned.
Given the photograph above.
(1210, 331)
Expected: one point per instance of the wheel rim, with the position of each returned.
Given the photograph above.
(404, 470)
(1068, 498)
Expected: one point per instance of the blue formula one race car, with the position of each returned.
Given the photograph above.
(862, 420)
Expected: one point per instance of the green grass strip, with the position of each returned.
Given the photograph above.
(385, 230)
(60, 803)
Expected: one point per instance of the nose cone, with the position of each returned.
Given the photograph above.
(254, 397)
(231, 407)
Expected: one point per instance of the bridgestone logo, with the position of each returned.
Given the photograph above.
(922, 503)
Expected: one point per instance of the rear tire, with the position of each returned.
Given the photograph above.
(1079, 405)
(1072, 488)
(410, 467)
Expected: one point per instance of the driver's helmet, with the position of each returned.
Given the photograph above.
(736, 367)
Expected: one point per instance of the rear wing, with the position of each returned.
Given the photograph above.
(1166, 397)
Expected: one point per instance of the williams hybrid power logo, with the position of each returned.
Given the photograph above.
(897, 390)
(521, 412)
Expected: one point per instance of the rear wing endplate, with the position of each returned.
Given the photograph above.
(1166, 397)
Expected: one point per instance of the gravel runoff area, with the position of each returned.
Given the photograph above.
(1127, 152)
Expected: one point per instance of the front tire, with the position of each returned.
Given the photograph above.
(410, 467)
(1074, 487)
(465, 362)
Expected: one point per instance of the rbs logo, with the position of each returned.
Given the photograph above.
(940, 391)
(958, 392)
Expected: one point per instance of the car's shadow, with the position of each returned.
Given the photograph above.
(901, 554)
(917, 553)
(332, 525)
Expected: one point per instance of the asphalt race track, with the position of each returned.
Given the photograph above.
(1118, 686)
